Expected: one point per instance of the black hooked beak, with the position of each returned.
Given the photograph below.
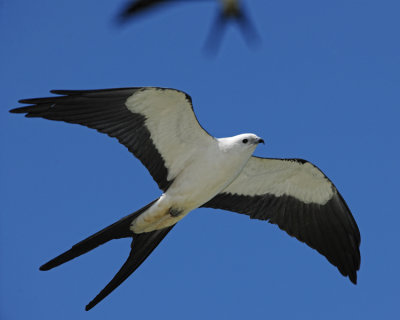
(261, 141)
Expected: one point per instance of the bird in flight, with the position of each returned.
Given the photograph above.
(231, 10)
(194, 169)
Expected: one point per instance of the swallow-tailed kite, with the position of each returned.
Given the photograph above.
(231, 10)
(194, 169)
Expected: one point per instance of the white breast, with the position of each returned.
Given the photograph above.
(204, 175)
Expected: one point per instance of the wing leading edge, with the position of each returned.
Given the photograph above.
(150, 122)
(301, 200)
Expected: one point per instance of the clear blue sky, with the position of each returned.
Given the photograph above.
(324, 86)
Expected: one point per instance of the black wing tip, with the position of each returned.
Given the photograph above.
(18, 110)
(353, 277)
(29, 111)
(36, 100)
(351, 274)
(33, 104)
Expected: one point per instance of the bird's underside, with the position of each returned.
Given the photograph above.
(194, 169)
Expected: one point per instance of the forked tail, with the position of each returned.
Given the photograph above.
(142, 245)
(218, 28)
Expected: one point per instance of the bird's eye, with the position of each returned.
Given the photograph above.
(245, 140)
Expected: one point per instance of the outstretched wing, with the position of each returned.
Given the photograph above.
(301, 200)
(138, 6)
(157, 125)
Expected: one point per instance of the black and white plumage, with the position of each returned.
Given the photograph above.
(231, 10)
(194, 169)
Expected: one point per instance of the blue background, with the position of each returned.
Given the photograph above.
(323, 86)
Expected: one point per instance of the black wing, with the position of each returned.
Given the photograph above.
(301, 200)
(135, 7)
(150, 122)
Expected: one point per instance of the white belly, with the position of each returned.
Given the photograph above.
(198, 183)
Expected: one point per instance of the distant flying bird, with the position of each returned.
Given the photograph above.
(136, 7)
(195, 169)
(231, 10)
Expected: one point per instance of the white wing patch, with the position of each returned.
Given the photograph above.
(173, 126)
(279, 177)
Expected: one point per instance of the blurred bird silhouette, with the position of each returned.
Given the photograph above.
(230, 10)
